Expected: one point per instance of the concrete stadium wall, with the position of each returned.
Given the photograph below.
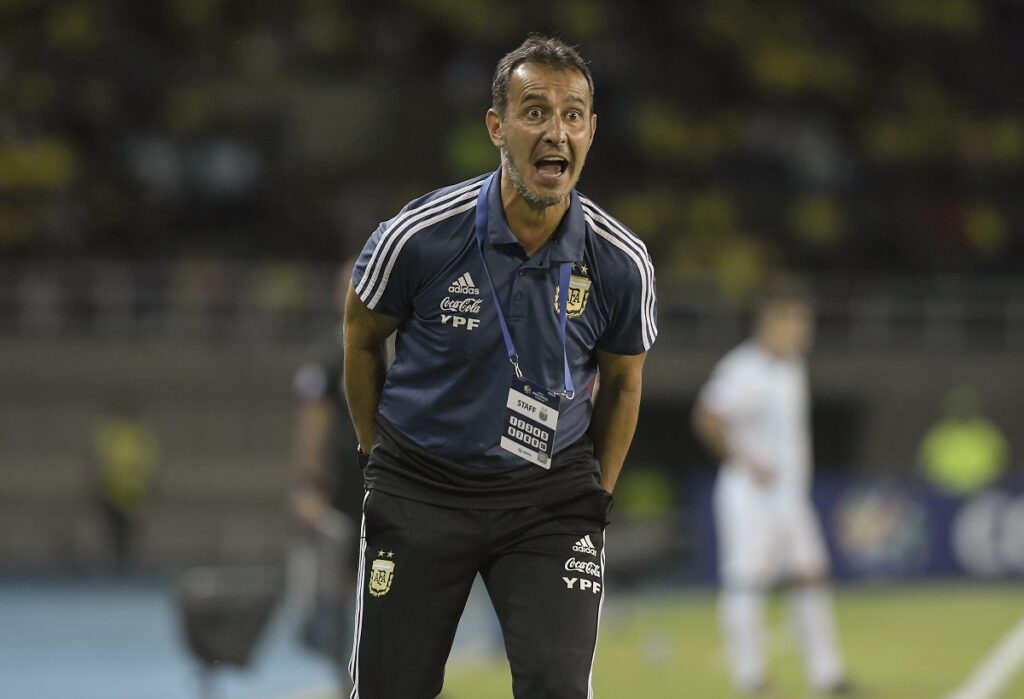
(225, 417)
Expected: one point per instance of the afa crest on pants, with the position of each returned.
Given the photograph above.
(382, 572)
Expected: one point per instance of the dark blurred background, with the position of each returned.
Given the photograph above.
(179, 181)
(837, 136)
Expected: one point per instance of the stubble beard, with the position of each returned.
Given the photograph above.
(531, 197)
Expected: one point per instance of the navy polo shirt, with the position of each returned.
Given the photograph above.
(447, 389)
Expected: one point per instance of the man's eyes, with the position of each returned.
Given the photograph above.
(538, 113)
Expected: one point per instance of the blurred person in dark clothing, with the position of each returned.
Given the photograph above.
(327, 498)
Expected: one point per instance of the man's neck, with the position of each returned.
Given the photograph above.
(532, 226)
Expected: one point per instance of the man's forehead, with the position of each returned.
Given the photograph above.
(528, 78)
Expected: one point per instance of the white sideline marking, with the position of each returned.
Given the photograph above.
(997, 669)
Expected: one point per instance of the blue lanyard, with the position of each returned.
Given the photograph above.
(563, 294)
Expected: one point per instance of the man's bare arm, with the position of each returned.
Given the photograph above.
(616, 408)
(365, 364)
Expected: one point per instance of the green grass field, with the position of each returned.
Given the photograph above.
(902, 642)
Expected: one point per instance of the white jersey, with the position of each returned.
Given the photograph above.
(768, 532)
(763, 401)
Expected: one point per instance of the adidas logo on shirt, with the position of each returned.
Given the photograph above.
(464, 285)
(585, 545)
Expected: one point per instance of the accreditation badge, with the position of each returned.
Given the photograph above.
(530, 421)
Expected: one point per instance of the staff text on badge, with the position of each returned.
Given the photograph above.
(530, 421)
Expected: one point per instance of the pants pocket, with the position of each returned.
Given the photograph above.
(594, 506)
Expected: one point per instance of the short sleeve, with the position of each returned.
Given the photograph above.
(632, 326)
(385, 274)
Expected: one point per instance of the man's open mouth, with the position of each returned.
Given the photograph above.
(552, 166)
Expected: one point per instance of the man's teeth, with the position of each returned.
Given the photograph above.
(548, 166)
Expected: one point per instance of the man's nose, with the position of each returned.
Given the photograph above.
(555, 132)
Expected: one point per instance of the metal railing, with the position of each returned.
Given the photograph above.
(870, 312)
(208, 300)
(189, 300)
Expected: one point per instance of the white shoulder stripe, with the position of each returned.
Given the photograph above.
(634, 248)
(614, 226)
(648, 324)
(371, 301)
(385, 245)
(604, 216)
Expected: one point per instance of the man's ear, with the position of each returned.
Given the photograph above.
(494, 127)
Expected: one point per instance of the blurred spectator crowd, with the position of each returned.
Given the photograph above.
(735, 136)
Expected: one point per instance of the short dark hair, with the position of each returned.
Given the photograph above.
(782, 291)
(543, 50)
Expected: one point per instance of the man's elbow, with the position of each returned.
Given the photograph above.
(629, 383)
(630, 390)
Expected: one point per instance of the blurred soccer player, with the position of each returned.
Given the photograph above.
(753, 415)
(328, 495)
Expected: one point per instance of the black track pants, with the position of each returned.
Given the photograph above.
(543, 568)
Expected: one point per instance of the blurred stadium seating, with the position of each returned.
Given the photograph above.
(842, 136)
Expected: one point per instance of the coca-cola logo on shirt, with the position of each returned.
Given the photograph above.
(588, 567)
(461, 305)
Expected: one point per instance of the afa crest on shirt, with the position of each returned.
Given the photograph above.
(579, 291)
(382, 572)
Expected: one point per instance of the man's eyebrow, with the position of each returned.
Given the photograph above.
(541, 97)
(533, 97)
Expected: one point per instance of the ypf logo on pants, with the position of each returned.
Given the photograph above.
(582, 584)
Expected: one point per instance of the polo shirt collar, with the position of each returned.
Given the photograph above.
(566, 245)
